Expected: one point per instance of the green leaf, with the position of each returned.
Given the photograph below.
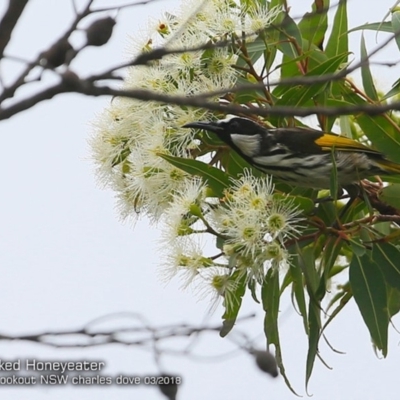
(301, 95)
(219, 242)
(289, 68)
(270, 299)
(333, 179)
(233, 302)
(306, 261)
(368, 82)
(304, 192)
(386, 257)
(380, 129)
(383, 227)
(345, 126)
(327, 212)
(393, 301)
(234, 164)
(369, 291)
(213, 177)
(286, 281)
(290, 40)
(248, 95)
(344, 297)
(333, 102)
(315, 57)
(312, 58)
(314, 324)
(375, 26)
(121, 156)
(357, 246)
(394, 91)
(252, 285)
(302, 203)
(393, 179)
(338, 42)
(332, 249)
(298, 291)
(209, 139)
(313, 25)
(396, 27)
(391, 195)
(269, 57)
(274, 3)
(254, 50)
(383, 134)
(270, 295)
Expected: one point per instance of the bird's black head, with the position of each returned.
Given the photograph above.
(231, 125)
(242, 134)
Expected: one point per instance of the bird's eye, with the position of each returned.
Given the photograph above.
(234, 125)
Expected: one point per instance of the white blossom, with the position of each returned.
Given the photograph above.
(131, 138)
(251, 220)
(185, 259)
(218, 285)
(259, 17)
(185, 206)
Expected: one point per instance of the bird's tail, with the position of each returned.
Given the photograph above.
(389, 167)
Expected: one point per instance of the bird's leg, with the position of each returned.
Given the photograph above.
(372, 192)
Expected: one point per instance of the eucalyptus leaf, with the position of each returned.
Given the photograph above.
(214, 177)
(369, 291)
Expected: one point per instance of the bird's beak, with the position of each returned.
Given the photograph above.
(205, 125)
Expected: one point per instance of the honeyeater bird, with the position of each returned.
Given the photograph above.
(299, 156)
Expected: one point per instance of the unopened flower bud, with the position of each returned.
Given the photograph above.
(99, 32)
(168, 385)
(57, 54)
(266, 362)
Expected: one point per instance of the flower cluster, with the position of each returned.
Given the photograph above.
(131, 137)
(249, 223)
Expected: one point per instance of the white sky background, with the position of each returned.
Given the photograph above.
(66, 258)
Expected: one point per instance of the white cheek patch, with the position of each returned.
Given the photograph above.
(249, 145)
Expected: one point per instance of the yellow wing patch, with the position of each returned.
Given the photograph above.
(330, 142)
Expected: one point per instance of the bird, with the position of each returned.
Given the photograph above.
(299, 156)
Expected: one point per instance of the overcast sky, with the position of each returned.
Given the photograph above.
(66, 258)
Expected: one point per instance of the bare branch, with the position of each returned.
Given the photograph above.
(88, 336)
(10, 19)
(88, 86)
(113, 8)
(71, 83)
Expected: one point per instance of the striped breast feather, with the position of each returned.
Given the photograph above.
(289, 161)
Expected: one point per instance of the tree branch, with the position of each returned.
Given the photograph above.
(71, 83)
(8, 22)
